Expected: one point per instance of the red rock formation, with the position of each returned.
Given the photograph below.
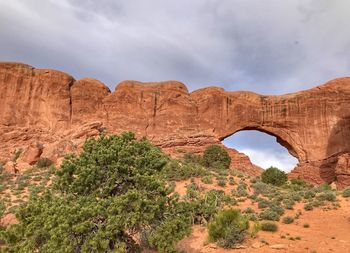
(51, 108)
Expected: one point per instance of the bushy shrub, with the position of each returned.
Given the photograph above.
(327, 196)
(277, 208)
(287, 220)
(324, 187)
(269, 214)
(288, 203)
(43, 162)
(221, 181)
(241, 190)
(269, 226)
(228, 228)
(190, 158)
(112, 188)
(308, 207)
(263, 203)
(309, 194)
(207, 179)
(216, 157)
(175, 170)
(346, 193)
(261, 188)
(274, 176)
(231, 181)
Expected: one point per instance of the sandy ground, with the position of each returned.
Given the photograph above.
(329, 231)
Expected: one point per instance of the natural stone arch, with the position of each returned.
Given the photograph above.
(279, 139)
(50, 107)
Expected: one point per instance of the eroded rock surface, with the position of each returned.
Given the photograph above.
(51, 108)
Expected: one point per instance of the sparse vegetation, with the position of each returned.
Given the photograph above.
(43, 162)
(228, 228)
(288, 220)
(269, 226)
(346, 193)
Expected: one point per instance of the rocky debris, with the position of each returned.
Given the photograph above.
(257, 245)
(51, 108)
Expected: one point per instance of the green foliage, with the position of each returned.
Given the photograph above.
(231, 181)
(327, 196)
(221, 182)
(263, 203)
(216, 157)
(204, 208)
(228, 228)
(176, 170)
(207, 179)
(269, 214)
(261, 188)
(43, 162)
(308, 207)
(274, 176)
(101, 199)
(346, 193)
(241, 190)
(324, 187)
(287, 220)
(288, 203)
(269, 226)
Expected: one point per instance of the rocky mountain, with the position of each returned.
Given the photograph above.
(47, 113)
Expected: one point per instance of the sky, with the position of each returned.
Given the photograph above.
(269, 47)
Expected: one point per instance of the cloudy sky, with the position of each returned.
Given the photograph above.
(270, 46)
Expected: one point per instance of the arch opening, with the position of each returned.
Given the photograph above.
(263, 149)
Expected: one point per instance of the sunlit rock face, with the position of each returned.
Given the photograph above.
(50, 111)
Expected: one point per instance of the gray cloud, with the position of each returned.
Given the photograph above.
(269, 47)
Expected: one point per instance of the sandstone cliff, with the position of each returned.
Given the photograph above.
(48, 113)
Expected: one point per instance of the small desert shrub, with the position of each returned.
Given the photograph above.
(231, 181)
(327, 196)
(255, 230)
(248, 210)
(175, 170)
(309, 194)
(242, 190)
(308, 207)
(261, 188)
(43, 162)
(346, 193)
(221, 182)
(263, 203)
(216, 157)
(228, 228)
(207, 179)
(269, 214)
(277, 208)
(288, 203)
(274, 176)
(306, 225)
(269, 226)
(190, 158)
(288, 220)
(324, 187)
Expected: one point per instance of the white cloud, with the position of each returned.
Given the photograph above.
(267, 158)
(269, 46)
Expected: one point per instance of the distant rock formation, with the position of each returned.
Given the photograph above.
(47, 113)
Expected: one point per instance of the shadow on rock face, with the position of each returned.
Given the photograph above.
(338, 145)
